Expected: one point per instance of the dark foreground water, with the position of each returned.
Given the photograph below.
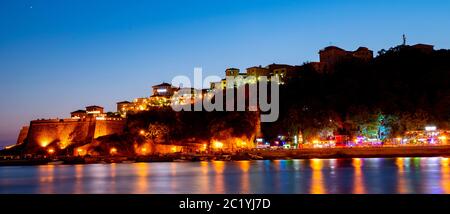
(379, 175)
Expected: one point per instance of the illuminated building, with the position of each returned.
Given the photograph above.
(164, 90)
(257, 71)
(185, 96)
(429, 135)
(162, 95)
(91, 112)
(329, 58)
(219, 85)
(122, 107)
(138, 104)
(79, 114)
(239, 78)
(284, 72)
(232, 72)
(83, 126)
(253, 74)
(94, 110)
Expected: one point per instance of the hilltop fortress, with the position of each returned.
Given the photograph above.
(84, 127)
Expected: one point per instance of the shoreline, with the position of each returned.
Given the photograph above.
(365, 152)
(300, 154)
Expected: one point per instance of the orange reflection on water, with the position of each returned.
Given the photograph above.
(400, 164)
(113, 170)
(445, 175)
(173, 169)
(78, 188)
(244, 165)
(245, 181)
(46, 173)
(113, 176)
(203, 181)
(142, 177)
(276, 165)
(401, 180)
(219, 184)
(358, 185)
(317, 181)
(204, 167)
(46, 178)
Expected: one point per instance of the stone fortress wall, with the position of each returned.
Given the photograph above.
(42, 133)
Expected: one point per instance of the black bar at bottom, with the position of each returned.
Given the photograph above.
(223, 203)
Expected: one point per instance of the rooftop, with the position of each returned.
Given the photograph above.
(94, 106)
(124, 102)
(78, 112)
(259, 66)
(164, 84)
(329, 48)
(362, 49)
(423, 45)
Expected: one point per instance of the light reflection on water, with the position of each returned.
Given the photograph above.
(358, 185)
(245, 179)
(317, 181)
(358, 176)
(141, 183)
(445, 175)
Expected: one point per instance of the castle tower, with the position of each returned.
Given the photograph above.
(232, 72)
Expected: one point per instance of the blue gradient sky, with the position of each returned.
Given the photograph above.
(61, 55)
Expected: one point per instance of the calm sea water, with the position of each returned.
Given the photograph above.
(379, 175)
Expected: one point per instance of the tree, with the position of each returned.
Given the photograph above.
(157, 132)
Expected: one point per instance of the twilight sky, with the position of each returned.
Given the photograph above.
(57, 56)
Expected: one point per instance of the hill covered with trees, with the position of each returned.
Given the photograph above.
(401, 89)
